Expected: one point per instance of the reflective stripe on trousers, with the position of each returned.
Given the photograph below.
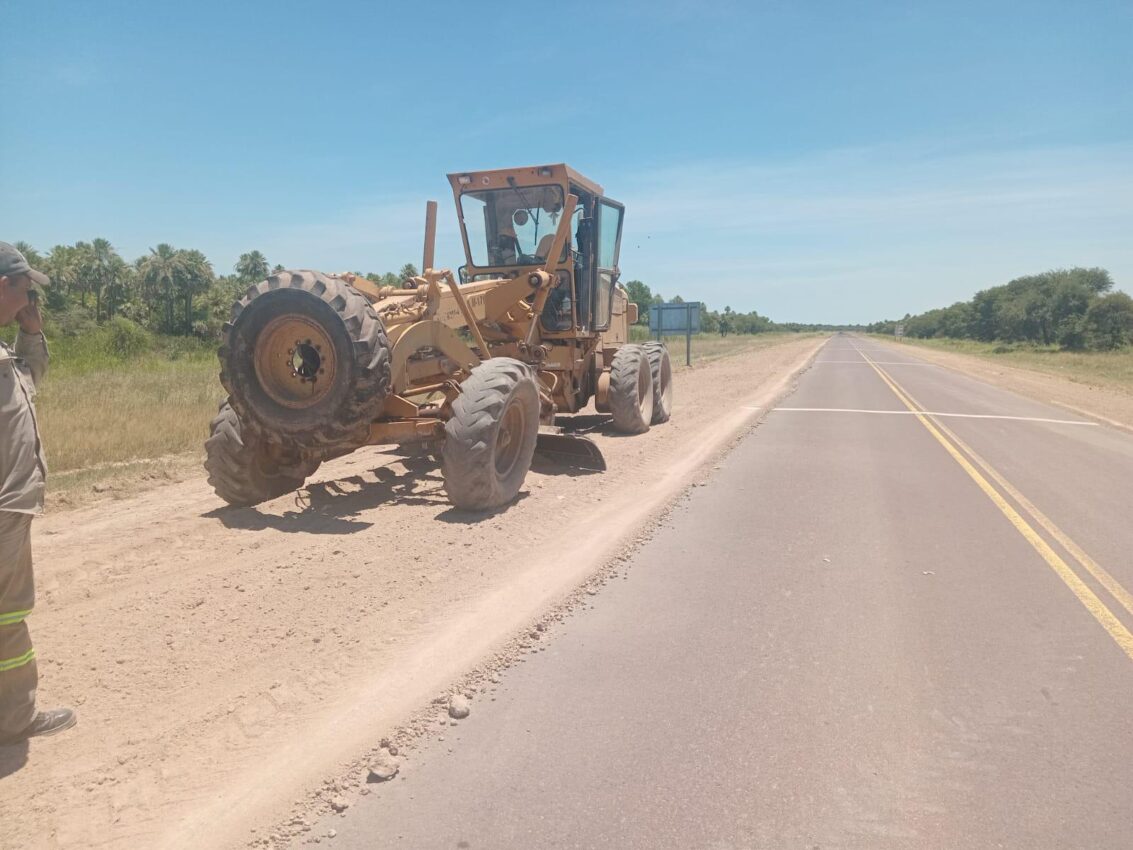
(19, 673)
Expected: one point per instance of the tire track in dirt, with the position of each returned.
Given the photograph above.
(226, 662)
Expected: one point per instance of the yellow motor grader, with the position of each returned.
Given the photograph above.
(472, 367)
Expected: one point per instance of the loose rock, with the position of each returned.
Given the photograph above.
(459, 707)
(382, 769)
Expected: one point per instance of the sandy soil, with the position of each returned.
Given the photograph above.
(234, 670)
(1104, 404)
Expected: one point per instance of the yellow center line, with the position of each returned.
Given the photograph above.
(1100, 574)
(1087, 597)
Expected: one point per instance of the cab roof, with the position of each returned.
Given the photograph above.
(527, 175)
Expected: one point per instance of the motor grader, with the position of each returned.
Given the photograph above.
(472, 367)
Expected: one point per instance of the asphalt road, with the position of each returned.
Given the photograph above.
(869, 629)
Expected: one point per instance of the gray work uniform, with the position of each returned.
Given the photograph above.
(23, 473)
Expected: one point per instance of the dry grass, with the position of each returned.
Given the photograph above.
(121, 428)
(137, 411)
(1110, 369)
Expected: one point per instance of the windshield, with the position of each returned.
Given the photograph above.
(511, 226)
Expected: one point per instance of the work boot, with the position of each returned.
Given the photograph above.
(44, 723)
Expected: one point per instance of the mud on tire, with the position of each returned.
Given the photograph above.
(661, 370)
(490, 439)
(242, 470)
(306, 361)
(631, 390)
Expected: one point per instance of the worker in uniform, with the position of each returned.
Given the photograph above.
(22, 477)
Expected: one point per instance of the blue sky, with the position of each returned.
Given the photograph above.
(837, 162)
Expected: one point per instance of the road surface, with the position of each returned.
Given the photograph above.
(871, 628)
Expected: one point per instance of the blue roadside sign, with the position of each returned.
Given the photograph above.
(674, 319)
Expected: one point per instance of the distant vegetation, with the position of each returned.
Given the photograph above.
(726, 322)
(1073, 309)
(103, 308)
(120, 308)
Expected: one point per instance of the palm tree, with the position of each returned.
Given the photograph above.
(252, 267)
(30, 254)
(102, 268)
(195, 279)
(59, 264)
(160, 273)
(120, 275)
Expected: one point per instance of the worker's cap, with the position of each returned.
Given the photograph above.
(12, 263)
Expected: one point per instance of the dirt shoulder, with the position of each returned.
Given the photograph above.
(231, 667)
(1103, 403)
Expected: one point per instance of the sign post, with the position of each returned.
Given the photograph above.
(681, 318)
(688, 332)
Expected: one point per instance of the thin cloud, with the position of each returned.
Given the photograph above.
(895, 228)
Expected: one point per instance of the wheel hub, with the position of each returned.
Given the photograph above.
(295, 361)
(509, 439)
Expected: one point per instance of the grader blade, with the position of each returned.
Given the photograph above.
(570, 450)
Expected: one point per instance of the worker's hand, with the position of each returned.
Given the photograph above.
(30, 319)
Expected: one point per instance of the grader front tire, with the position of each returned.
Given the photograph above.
(661, 370)
(631, 390)
(490, 439)
(242, 471)
(306, 361)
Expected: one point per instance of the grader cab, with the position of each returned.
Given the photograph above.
(473, 367)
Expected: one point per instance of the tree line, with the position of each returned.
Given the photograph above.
(173, 291)
(177, 292)
(722, 322)
(1074, 309)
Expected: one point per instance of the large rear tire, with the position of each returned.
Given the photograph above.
(306, 361)
(631, 390)
(661, 370)
(490, 439)
(243, 470)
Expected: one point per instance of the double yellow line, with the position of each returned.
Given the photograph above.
(961, 452)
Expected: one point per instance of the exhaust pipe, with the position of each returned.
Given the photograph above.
(430, 236)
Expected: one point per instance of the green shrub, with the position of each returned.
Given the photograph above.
(72, 321)
(127, 339)
(1109, 322)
